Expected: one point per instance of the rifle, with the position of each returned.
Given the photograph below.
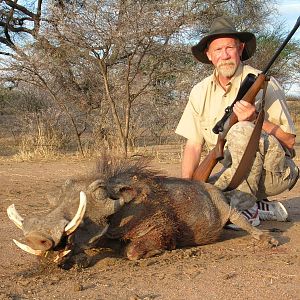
(250, 87)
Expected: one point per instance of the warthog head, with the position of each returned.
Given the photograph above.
(42, 235)
(78, 203)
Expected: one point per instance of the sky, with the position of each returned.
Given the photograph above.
(289, 11)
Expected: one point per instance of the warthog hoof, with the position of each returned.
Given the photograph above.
(268, 241)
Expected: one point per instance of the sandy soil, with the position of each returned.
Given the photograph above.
(233, 268)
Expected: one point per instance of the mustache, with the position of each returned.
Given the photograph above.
(226, 63)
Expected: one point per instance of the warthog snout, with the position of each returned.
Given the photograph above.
(39, 241)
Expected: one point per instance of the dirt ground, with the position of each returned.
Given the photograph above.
(233, 268)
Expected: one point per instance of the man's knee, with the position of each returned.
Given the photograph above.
(239, 133)
(275, 183)
(294, 176)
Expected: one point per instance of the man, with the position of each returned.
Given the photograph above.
(273, 170)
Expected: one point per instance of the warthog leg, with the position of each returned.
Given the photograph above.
(238, 219)
(149, 240)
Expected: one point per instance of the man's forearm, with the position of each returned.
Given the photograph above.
(191, 159)
(286, 139)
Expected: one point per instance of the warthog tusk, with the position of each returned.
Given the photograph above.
(96, 237)
(14, 216)
(61, 255)
(28, 249)
(96, 184)
(74, 223)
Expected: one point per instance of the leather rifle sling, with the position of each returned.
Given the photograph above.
(249, 155)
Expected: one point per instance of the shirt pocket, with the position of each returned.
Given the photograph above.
(207, 133)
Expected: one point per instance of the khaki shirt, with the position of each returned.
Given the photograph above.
(208, 100)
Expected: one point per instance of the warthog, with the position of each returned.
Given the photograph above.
(148, 212)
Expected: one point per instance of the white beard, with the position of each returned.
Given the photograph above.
(227, 69)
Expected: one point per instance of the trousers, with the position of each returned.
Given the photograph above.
(272, 171)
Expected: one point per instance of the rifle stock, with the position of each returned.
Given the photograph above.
(205, 168)
(203, 171)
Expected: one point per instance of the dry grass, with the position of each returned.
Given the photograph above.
(161, 153)
(43, 140)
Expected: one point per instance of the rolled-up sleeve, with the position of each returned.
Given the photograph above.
(276, 108)
(189, 124)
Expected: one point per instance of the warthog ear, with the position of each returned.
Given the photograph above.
(14, 216)
(75, 222)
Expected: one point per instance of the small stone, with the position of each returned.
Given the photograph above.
(78, 287)
(135, 297)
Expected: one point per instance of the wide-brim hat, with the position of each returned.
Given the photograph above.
(223, 27)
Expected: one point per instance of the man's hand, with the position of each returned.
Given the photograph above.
(244, 111)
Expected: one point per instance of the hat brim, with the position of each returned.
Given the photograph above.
(199, 50)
